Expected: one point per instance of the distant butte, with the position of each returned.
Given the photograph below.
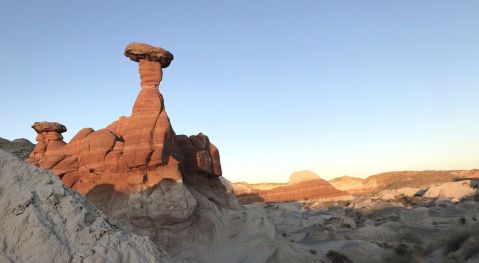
(302, 185)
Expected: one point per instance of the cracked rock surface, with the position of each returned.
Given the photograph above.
(41, 220)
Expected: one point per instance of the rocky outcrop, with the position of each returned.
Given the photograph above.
(453, 191)
(390, 194)
(348, 183)
(41, 220)
(412, 229)
(200, 156)
(133, 152)
(159, 184)
(18, 147)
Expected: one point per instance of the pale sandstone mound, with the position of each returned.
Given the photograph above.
(301, 176)
(348, 183)
(243, 188)
(18, 147)
(390, 194)
(453, 191)
(41, 220)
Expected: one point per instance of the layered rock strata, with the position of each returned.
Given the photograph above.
(316, 189)
(303, 185)
(133, 152)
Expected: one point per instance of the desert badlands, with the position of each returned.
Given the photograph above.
(135, 191)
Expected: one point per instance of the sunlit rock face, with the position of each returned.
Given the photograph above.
(159, 184)
(132, 153)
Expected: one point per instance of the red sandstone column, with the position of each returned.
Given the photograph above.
(148, 137)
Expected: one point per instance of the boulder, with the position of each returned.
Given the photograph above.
(139, 51)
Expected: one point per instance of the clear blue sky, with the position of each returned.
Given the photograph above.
(338, 87)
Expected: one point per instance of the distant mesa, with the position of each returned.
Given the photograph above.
(302, 185)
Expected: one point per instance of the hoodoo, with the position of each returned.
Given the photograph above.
(158, 184)
(133, 152)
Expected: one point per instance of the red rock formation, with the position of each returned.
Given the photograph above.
(200, 156)
(315, 189)
(133, 152)
(304, 185)
(49, 142)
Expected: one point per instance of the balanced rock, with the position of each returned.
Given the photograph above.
(44, 126)
(49, 140)
(142, 51)
(133, 152)
(303, 185)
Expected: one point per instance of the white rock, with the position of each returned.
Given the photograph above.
(454, 191)
(43, 221)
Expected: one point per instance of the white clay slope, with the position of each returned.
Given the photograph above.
(41, 220)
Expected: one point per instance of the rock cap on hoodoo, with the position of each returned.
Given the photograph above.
(137, 51)
(46, 126)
